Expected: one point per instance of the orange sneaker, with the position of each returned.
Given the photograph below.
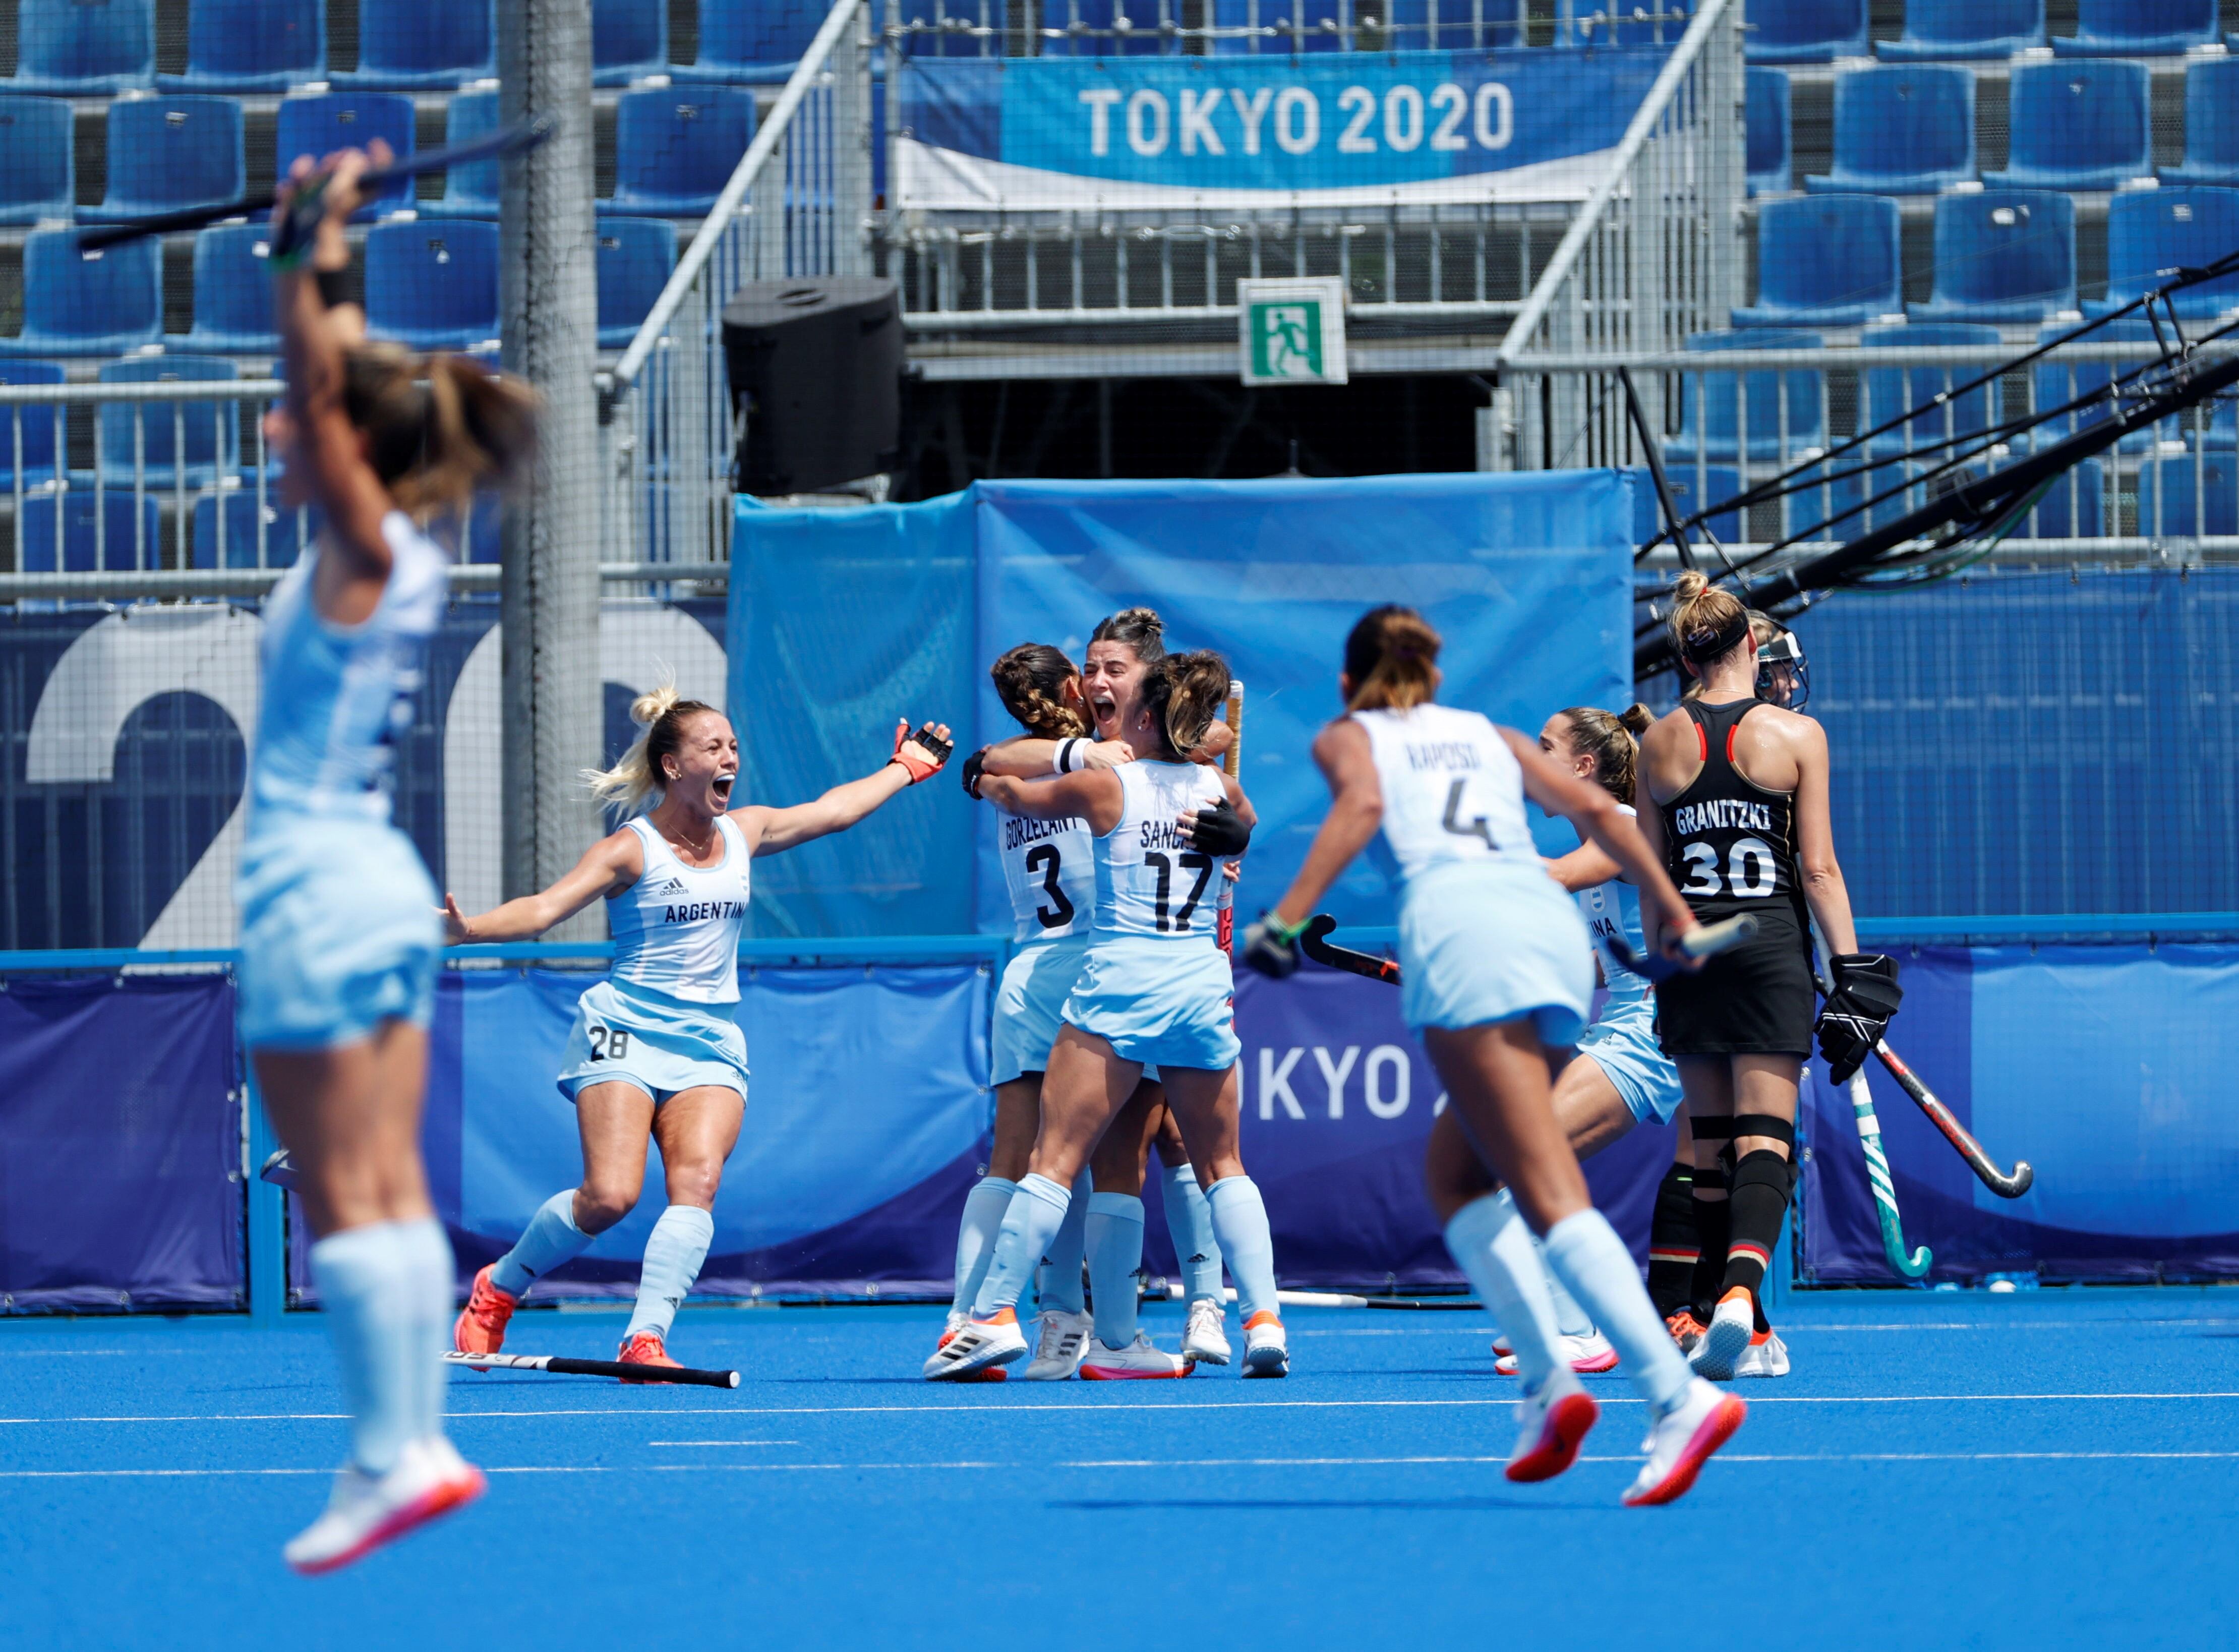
(987, 1373)
(1685, 1329)
(481, 1327)
(645, 1349)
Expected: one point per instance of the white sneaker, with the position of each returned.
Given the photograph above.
(1266, 1350)
(1725, 1339)
(1586, 1355)
(1766, 1355)
(1549, 1425)
(1138, 1360)
(365, 1511)
(976, 1347)
(1682, 1440)
(1205, 1340)
(1059, 1344)
(956, 1320)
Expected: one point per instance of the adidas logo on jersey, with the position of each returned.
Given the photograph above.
(674, 887)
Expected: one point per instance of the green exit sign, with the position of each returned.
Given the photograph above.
(1291, 332)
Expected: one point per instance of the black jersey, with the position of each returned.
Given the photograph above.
(1730, 844)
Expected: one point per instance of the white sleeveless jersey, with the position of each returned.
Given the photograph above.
(336, 697)
(1148, 880)
(1453, 795)
(1614, 908)
(676, 929)
(1049, 867)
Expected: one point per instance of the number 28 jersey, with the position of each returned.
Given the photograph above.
(1049, 867)
(1149, 881)
(1453, 792)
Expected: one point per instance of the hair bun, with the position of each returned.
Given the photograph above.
(649, 709)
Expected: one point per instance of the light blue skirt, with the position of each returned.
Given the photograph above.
(1164, 1003)
(1623, 1044)
(339, 932)
(1030, 1004)
(1481, 944)
(632, 1035)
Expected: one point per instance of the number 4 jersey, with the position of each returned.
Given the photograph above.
(1730, 843)
(1453, 792)
(1049, 867)
(1149, 881)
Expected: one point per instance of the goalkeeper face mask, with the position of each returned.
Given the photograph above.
(1783, 676)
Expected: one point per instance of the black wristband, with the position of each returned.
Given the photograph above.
(329, 284)
(1065, 755)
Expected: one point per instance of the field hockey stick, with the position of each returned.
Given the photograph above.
(2004, 1184)
(1314, 944)
(1704, 940)
(1231, 762)
(511, 140)
(1878, 1169)
(627, 1370)
(1341, 1300)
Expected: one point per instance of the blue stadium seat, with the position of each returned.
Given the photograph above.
(2152, 230)
(630, 40)
(1946, 31)
(84, 48)
(107, 536)
(1765, 115)
(636, 257)
(1691, 489)
(2054, 384)
(1889, 391)
(760, 40)
(233, 295)
(2077, 126)
(111, 303)
(468, 191)
(1901, 130)
(2211, 124)
(321, 124)
(2189, 494)
(192, 443)
(2139, 28)
(1711, 431)
(37, 179)
(407, 45)
(432, 286)
(165, 153)
(2002, 256)
(226, 528)
(1826, 260)
(252, 46)
(1807, 31)
(676, 147)
(37, 433)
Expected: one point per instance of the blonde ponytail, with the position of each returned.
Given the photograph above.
(639, 776)
(1707, 623)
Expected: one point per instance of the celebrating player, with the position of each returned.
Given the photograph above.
(338, 933)
(1155, 987)
(1733, 794)
(1495, 968)
(656, 1048)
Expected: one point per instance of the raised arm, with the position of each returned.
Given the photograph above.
(1598, 820)
(1341, 751)
(611, 865)
(1824, 891)
(773, 830)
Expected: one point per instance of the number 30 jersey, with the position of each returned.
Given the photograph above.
(1049, 867)
(1453, 792)
(1730, 844)
(1149, 881)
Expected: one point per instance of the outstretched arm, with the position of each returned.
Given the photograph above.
(1342, 752)
(1093, 794)
(773, 830)
(1029, 756)
(1597, 818)
(611, 865)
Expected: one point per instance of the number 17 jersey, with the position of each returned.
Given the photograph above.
(1453, 792)
(1049, 867)
(1149, 881)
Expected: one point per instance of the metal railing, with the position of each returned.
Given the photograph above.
(798, 204)
(1212, 28)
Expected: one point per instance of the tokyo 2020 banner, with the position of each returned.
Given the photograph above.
(1069, 134)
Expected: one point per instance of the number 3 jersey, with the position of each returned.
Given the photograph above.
(1149, 881)
(1730, 844)
(1453, 792)
(1049, 867)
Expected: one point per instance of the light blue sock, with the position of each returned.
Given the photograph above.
(1585, 1252)
(672, 1255)
(1496, 1252)
(976, 1234)
(435, 1298)
(1057, 1282)
(1189, 1223)
(1115, 1251)
(368, 1285)
(1239, 1222)
(550, 1239)
(1571, 1319)
(1032, 1222)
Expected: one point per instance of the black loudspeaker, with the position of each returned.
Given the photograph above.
(815, 370)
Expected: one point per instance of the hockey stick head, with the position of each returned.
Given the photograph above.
(1314, 943)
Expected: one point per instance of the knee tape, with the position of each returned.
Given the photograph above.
(1756, 1125)
(1764, 1168)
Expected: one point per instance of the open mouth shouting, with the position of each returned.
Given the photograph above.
(722, 787)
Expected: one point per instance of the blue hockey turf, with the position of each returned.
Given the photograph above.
(2049, 1470)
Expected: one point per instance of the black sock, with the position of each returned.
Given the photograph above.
(1713, 1227)
(1671, 1248)
(1759, 1203)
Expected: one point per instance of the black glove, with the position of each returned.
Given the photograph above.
(1272, 946)
(974, 766)
(1220, 832)
(1863, 996)
(935, 747)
